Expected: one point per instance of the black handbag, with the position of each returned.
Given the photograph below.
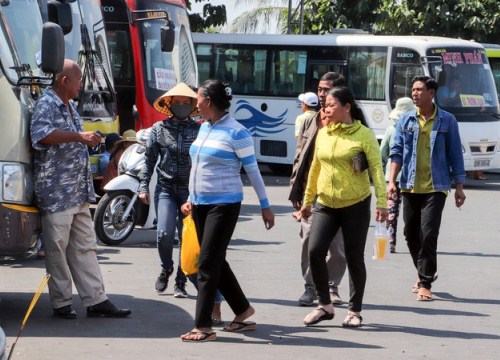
(359, 162)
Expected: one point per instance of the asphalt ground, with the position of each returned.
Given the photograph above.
(461, 323)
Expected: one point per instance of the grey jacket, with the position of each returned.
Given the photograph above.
(303, 156)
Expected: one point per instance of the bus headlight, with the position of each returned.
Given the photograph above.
(17, 183)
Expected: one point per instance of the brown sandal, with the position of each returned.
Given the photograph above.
(424, 295)
(416, 287)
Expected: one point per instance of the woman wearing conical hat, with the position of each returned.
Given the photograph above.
(169, 141)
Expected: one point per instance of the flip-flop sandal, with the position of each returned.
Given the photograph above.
(240, 326)
(424, 295)
(352, 320)
(325, 316)
(199, 336)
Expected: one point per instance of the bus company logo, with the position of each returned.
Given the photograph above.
(258, 123)
(108, 9)
(405, 55)
(377, 116)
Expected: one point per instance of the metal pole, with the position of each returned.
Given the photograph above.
(301, 17)
(289, 28)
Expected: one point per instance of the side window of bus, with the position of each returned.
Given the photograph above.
(241, 66)
(495, 67)
(203, 55)
(288, 72)
(366, 74)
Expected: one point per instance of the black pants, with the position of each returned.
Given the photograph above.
(422, 216)
(354, 221)
(215, 225)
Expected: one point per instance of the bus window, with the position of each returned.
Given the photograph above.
(405, 66)
(317, 70)
(121, 56)
(366, 77)
(243, 67)
(288, 73)
(495, 67)
(402, 75)
(204, 55)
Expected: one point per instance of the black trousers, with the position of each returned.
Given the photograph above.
(354, 221)
(214, 226)
(422, 216)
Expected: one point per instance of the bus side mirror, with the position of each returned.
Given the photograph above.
(167, 36)
(135, 114)
(60, 13)
(52, 48)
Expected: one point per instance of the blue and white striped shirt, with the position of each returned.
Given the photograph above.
(216, 156)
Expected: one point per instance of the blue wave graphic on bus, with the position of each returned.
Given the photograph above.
(260, 124)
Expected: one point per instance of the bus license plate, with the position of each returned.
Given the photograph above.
(482, 163)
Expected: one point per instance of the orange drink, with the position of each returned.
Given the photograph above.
(381, 245)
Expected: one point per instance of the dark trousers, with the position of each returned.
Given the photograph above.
(354, 221)
(422, 216)
(214, 226)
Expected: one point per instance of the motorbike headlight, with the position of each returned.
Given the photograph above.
(17, 183)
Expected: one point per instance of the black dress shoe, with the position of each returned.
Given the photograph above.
(65, 312)
(107, 309)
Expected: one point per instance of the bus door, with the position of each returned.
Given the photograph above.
(405, 65)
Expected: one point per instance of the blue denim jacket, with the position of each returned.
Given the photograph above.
(447, 161)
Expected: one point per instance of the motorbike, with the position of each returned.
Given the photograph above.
(120, 211)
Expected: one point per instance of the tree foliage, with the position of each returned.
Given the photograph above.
(323, 16)
(265, 15)
(477, 20)
(211, 16)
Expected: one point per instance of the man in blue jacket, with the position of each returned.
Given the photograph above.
(428, 152)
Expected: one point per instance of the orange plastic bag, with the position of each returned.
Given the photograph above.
(190, 249)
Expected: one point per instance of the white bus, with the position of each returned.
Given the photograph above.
(268, 72)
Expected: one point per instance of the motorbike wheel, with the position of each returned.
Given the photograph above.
(108, 223)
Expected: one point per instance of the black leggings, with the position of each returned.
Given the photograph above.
(354, 221)
(215, 225)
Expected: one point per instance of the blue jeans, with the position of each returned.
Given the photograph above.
(169, 217)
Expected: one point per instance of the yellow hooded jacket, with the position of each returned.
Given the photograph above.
(332, 177)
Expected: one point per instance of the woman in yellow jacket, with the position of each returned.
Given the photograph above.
(343, 197)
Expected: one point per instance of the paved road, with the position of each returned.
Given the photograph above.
(462, 322)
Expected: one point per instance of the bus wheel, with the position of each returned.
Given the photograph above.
(110, 226)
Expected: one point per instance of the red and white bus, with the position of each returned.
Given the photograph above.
(147, 57)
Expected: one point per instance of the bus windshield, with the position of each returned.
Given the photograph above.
(162, 70)
(21, 26)
(464, 78)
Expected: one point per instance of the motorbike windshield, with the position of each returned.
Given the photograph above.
(20, 38)
(466, 84)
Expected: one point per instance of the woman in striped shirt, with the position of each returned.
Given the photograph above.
(223, 145)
